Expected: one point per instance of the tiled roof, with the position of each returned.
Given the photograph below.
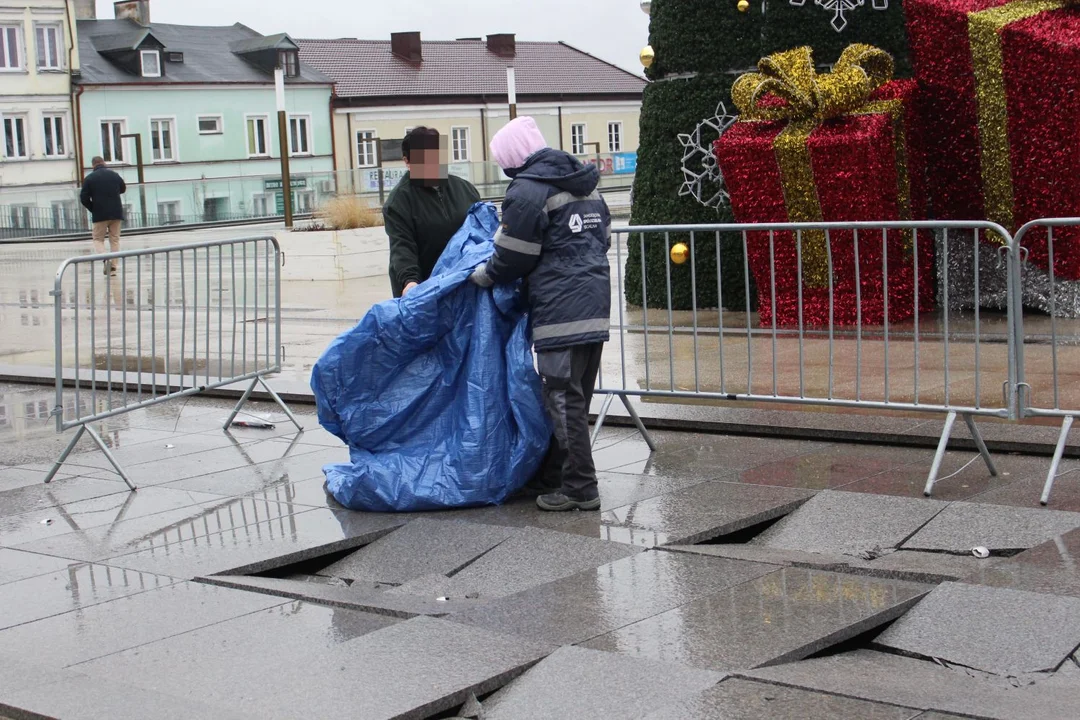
(208, 54)
(368, 69)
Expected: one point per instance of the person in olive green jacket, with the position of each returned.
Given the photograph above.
(424, 211)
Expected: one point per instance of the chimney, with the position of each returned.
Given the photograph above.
(137, 10)
(503, 45)
(407, 46)
(85, 9)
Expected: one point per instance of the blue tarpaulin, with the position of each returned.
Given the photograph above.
(435, 393)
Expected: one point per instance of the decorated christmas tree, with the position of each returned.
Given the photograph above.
(697, 49)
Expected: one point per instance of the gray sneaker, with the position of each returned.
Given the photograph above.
(557, 502)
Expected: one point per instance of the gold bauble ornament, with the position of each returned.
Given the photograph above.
(680, 253)
(743, 5)
(647, 56)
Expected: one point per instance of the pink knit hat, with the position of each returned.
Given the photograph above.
(513, 145)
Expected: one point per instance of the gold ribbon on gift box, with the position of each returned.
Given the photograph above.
(810, 98)
(984, 33)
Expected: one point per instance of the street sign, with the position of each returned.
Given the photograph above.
(296, 183)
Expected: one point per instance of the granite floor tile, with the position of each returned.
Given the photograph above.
(904, 681)
(96, 512)
(964, 525)
(78, 586)
(421, 547)
(691, 515)
(14, 478)
(847, 523)
(262, 546)
(18, 565)
(957, 480)
(1026, 492)
(706, 457)
(304, 463)
(208, 664)
(165, 528)
(786, 615)
(167, 446)
(308, 492)
(313, 435)
(594, 602)
(996, 630)
(1052, 568)
(736, 699)
(517, 512)
(128, 622)
(618, 687)
(42, 497)
(830, 467)
(622, 489)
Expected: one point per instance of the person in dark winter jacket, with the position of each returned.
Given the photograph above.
(100, 195)
(424, 211)
(556, 233)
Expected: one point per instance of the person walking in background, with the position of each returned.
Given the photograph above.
(424, 211)
(100, 195)
(556, 233)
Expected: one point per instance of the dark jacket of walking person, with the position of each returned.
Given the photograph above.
(100, 195)
(556, 233)
(424, 211)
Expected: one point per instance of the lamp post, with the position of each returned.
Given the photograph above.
(142, 178)
(283, 138)
(511, 90)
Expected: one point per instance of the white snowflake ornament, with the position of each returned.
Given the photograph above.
(702, 177)
(840, 8)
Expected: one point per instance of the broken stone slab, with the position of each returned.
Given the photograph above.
(966, 525)
(848, 523)
(617, 687)
(1052, 568)
(997, 630)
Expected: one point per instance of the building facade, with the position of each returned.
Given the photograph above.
(38, 55)
(581, 104)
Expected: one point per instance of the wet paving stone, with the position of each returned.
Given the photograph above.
(963, 526)
(736, 699)
(17, 565)
(786, 615)
(597, 601)
(997, 630)
(1052, 568)
(40, 497)
(618, 687)
(845, 523)
(303, 463)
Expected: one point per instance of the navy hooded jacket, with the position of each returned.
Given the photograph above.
(556, 232)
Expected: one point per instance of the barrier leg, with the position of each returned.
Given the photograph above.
(105, 449)
(277, 398)
(243, 401)
(282, 405)
(64, 455)
(940, 456)
(601, 418)
(979, 443)
(1066, 426)
(637, 421)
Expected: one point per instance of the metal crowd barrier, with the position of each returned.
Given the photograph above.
(912, 359)
(139, 328)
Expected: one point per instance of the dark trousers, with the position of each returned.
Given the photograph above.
(569, 377)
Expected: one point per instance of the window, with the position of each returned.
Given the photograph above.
(210, 125)
(365, 148)
(304, 201)
(460, 139)
(48, 47)
(263, 204)
(151, 63)
(20, 216)
(168, 212)
(162, 134)
(290, 62)
(64, 215)
(614, 137)
(258, 144)
(55, 140)
(112, 147)
(10, 57)
(299, 135)
(15, 137)
(577, 139)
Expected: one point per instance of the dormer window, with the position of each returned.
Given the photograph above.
(151, 63)
(289, 60)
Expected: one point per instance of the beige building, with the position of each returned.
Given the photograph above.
(382, 89)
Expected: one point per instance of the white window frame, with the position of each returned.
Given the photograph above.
(267, 198)
(21, 216)
(49, 120)
(307, 138)
(455, 155)
(367, 137)
(142, 63)
(577, 144)
(41, 31)
(165, 201)
(171, 120)
(305, 206)
(9, 30)
(220, 124)
(13, 118)
(65, 214)
(248, 119)
(110, 157)
(289, 60)
(615, 147)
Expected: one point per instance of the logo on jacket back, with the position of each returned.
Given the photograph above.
(576, 224)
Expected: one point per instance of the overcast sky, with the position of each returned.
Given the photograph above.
(614, 30)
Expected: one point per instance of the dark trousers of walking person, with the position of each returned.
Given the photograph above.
(569, 377)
